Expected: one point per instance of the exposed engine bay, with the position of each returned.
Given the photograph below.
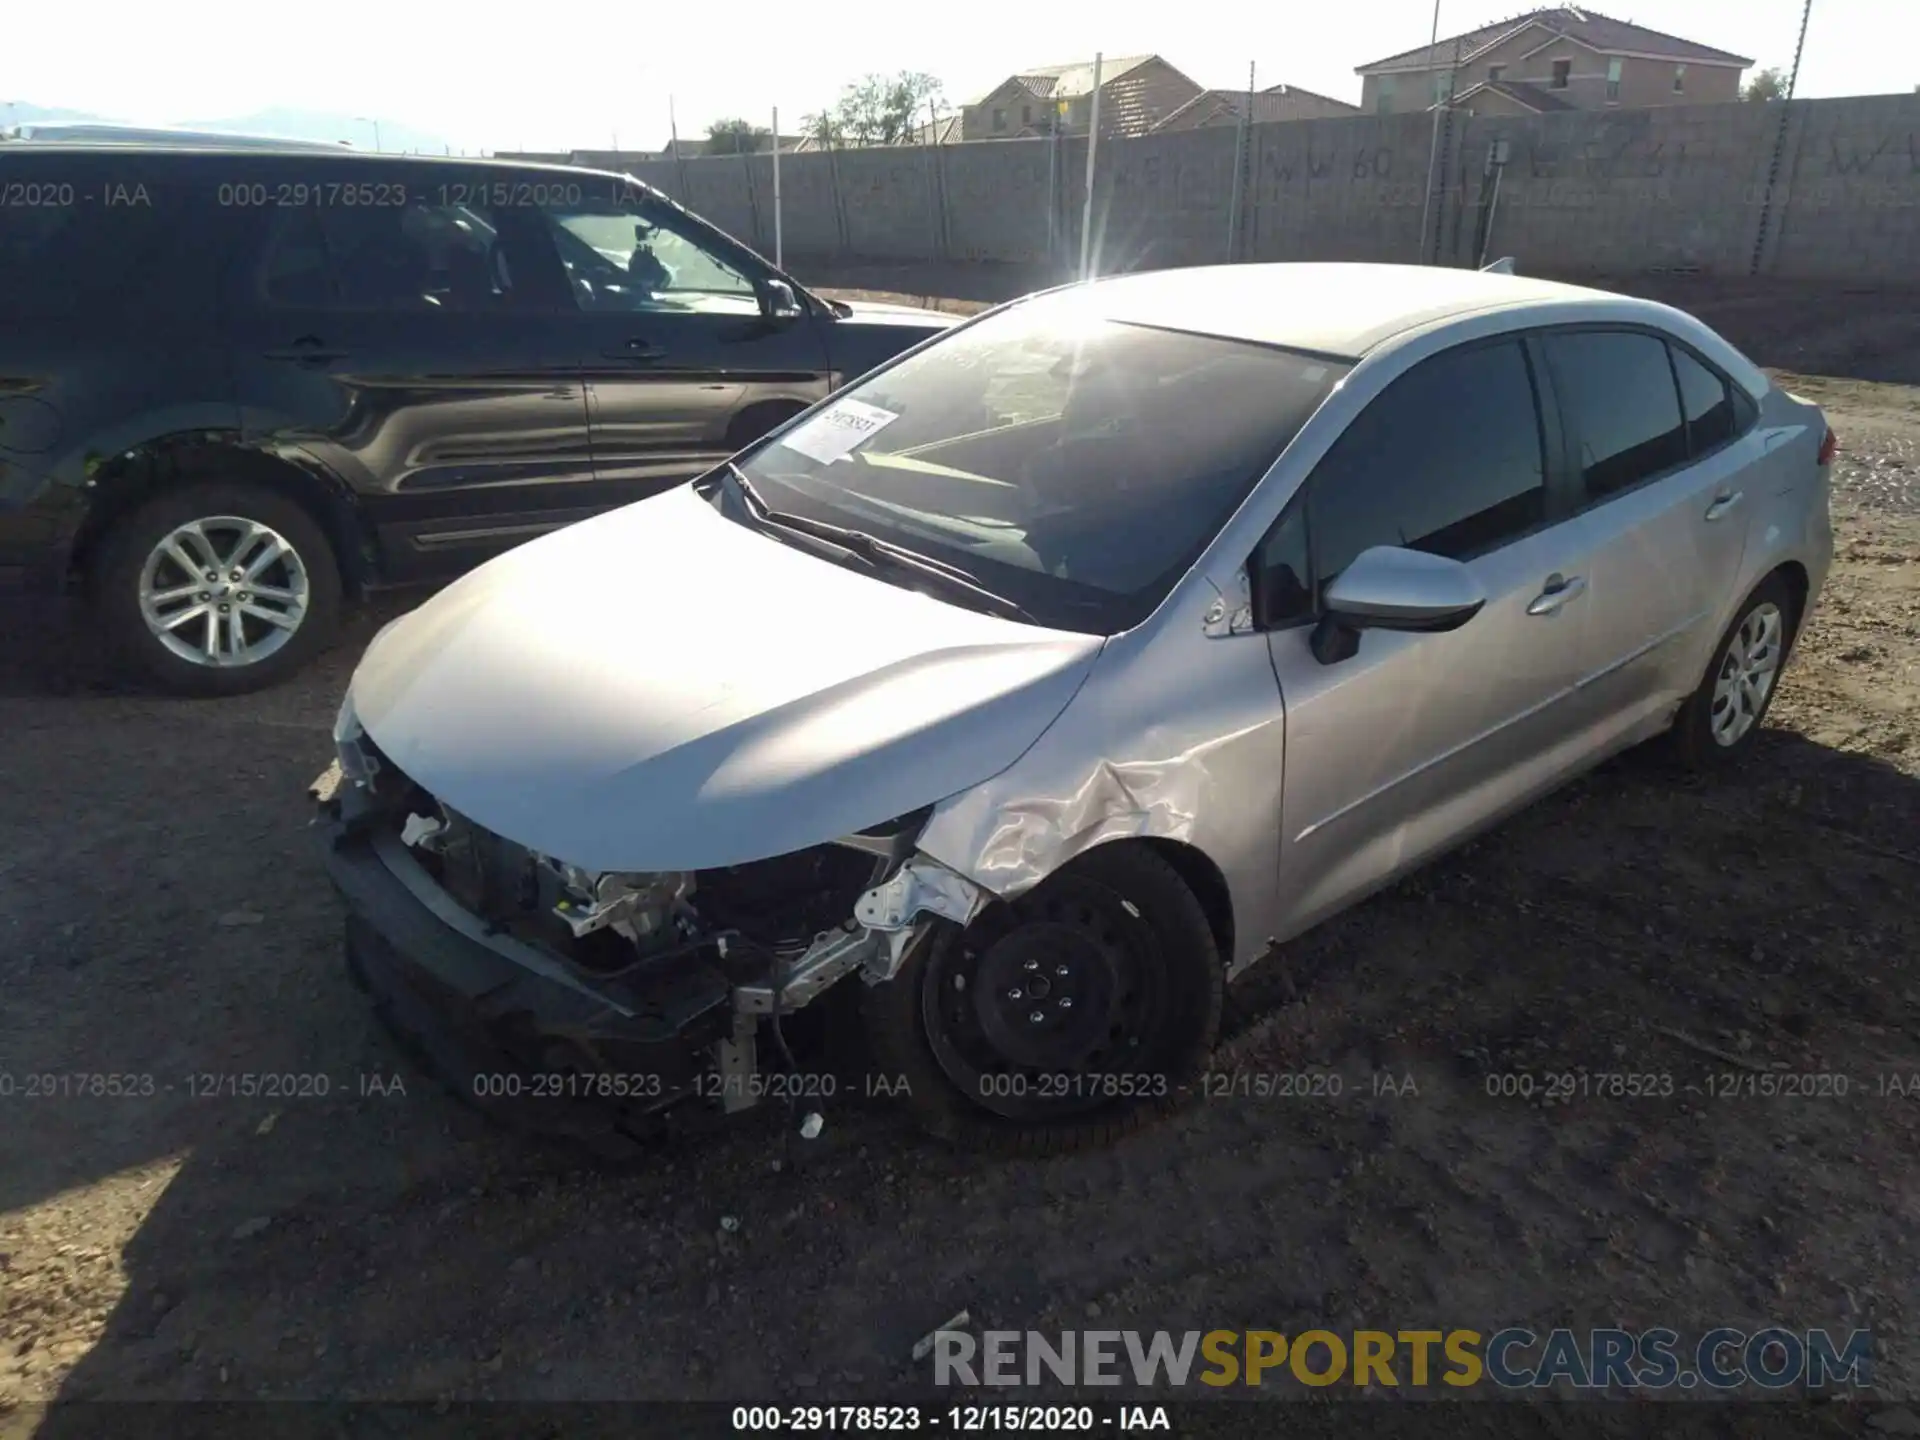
(700, 963)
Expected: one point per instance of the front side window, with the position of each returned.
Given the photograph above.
(1075, 464)
(415, 256)
(1448, 460)
(1616, 390)
(631, 255)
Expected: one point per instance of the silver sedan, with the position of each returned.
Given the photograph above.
(1048, 677)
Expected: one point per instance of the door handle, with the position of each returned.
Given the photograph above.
(635, 350)
(1723, 503)
(307, 350)
(1560, 589)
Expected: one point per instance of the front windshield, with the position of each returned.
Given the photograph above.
(1074, 464)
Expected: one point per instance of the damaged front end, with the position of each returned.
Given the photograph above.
(670, 983)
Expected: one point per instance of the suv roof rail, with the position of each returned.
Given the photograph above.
(103, 133)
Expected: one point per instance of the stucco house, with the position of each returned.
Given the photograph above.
(1276, 102)
(1564, 57)
(1137, 92)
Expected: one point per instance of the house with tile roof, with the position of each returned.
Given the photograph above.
(1137, 92)
(1564, 57)
(1276, 102)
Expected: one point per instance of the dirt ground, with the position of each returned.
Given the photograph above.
(164, 915)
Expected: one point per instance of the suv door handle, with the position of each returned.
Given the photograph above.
(1560, 589)
(635, 350)
(307, 350)
(1723, 503)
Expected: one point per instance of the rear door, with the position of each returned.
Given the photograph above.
(1419, 738)
(1653, 441)
(394, 324)
(109, 262)
(682, 366)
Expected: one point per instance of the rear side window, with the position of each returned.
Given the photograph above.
(1448, 459)
(1706, 401)
(91, 235)
(1617, 392)
(413, 256)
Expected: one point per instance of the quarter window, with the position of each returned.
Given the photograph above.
(1707, 402)
(1617, 392)
(1447, 460)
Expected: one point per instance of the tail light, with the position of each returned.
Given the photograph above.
(1829, 447)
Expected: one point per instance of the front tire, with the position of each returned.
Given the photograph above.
(217, 588)
(1721, 720)
(1061, 1021)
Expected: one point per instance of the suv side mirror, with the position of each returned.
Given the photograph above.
(1388, 588)
(778, 302)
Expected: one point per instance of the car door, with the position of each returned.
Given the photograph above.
(410, 338)
(1417, 739)
(1650, 434)
(682, 365)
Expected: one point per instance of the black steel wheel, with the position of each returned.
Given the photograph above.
(1061, 1020)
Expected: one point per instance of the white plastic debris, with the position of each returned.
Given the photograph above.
(811, 1127)
(923, 1347)
(418, 828)
(729, 1223)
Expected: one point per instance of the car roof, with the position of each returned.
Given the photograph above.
(1338, 310)
(264, 148)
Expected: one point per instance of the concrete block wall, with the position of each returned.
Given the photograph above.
(1676, 187)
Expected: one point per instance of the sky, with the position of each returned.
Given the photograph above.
(592, 72)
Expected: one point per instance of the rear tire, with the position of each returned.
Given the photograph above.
(167, 567)
(1721, 719)
(1117, 933)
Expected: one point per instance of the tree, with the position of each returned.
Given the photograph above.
(878, 110)
(737, 137)
(1767, 84)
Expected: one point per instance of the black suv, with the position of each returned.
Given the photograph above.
(236, 387)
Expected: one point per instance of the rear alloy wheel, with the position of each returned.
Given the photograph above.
(1062, 1020)
(218, 589)
(1722, 718)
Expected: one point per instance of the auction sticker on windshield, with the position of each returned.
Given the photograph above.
(833, 433)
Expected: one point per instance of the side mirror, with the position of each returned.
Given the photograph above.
(778, 302)
(1387, 588)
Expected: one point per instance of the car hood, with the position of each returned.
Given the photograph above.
(661, 688)
(878, 313)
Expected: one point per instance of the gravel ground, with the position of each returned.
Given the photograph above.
(164, 916)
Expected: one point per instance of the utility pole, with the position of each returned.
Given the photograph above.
(1093, 142)
(1433, 148)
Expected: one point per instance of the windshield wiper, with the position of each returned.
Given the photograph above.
(879, 554)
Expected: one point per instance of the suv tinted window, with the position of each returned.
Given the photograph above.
(1616, 390)
(1707, 402)
(82, 234)
(411, 256)
(1448, 460)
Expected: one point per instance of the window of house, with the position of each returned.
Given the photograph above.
(1679, 78)
(1562, 73)
(1613, 79)
(1495, 72)
(1442, 85)
(1617, 392)
(1448, 460)
(999, 119)
(1026, 114)
(1383, 98)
